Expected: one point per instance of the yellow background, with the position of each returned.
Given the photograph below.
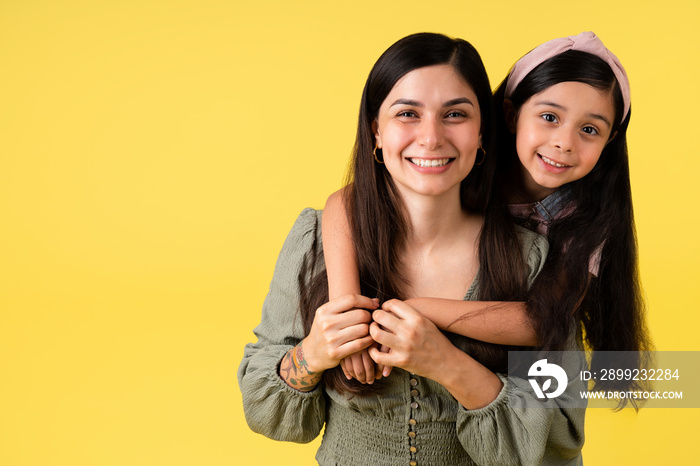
(154, 154)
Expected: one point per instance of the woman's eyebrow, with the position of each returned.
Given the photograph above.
(460, 100)
(449, 103)
(412, 103)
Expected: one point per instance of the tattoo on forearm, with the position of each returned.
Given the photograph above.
(294, 370)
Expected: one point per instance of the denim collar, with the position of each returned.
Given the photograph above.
(549, 207)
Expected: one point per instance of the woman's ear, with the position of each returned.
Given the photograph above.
(510, 116)
(377, 136)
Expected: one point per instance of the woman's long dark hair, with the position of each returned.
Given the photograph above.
(375, 210)
(609, 307)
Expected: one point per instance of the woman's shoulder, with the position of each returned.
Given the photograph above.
(307, 225)
(309, 220)
(534, 247)
(304, 236)
(527, 237)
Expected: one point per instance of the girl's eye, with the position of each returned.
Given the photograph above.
(548, 117)
(590, 130)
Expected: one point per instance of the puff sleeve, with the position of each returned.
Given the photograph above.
(271, 407)
(517, 429)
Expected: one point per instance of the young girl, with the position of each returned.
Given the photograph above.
(562, 116)
(424, 224)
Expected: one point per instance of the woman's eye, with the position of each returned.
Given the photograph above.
(407, 114)
(456, 114)
(589, 130)
(549, 118)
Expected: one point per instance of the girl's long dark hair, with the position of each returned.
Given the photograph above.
(376, 215)
(609, 307)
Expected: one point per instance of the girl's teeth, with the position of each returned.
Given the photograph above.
(552, 163)
(430, 163)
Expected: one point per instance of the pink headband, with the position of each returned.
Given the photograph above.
(584, 42)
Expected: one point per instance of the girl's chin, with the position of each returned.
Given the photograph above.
(540, 186)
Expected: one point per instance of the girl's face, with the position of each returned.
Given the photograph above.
(428, 128)
(560, 134)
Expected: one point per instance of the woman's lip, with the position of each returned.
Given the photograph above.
(428, 162)
(430, 169)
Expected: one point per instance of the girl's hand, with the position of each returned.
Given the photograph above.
(382, 370)
(368, 371)
(340, 328)
(359, 366)
(416, 344)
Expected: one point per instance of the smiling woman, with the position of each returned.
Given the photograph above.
(417, 230)
(429, 124)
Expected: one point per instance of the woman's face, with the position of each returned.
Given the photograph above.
(560, 134)
(428, 128)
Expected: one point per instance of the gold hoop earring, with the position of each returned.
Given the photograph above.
(483, 155)
(374, 152)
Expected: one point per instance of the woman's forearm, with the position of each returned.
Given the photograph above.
(499, 322)
(294, 370)
(470, 383)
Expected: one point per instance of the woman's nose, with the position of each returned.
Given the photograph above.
(431, 133)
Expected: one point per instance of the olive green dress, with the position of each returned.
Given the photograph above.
(414, 420)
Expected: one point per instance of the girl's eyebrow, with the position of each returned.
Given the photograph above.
(561, 107)
(449, 103)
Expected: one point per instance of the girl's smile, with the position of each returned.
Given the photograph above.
(560, 134)
(553, 163)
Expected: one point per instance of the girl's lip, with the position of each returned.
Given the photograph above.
(552, 168)
(553, 162)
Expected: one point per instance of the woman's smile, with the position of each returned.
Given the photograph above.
(428, 130)
(430, 166)
(430, 162)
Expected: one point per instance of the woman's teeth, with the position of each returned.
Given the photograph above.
(552, 162)
(429, 162)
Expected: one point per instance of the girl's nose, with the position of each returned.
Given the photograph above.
(564, 139)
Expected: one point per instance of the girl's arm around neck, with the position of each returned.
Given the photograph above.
(338, 249)
(417, 346)
(343, 276)
(499, 322)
